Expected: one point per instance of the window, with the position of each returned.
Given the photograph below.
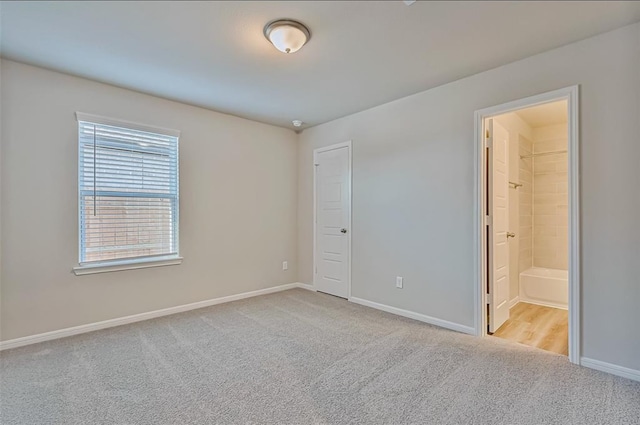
(128, 194)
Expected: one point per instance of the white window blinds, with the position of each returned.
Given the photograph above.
(128, 193)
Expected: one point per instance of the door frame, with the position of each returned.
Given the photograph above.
(571, 95)
(317, 151)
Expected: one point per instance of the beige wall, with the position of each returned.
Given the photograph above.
(520, 220)
(238, 181)
(0, 189)
(551, 199)
(413, 189)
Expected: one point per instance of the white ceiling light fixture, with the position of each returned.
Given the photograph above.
(297, 123)
(287, 35)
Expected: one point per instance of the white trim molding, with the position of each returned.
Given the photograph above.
(513, 302)
(306, 286)
(129, 264)
(90, 327)
(544, 304)
(613, 369)
(570, 94)
(415, 316)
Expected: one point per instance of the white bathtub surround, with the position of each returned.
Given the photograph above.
(550, 198)
(525, 205)
(547, 287)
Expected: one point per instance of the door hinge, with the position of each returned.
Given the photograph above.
(488, 299)
(487, 135)
(487, 220)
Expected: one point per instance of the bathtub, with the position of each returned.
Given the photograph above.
(548, 287)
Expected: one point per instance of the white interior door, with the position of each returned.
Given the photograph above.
(333, 217)
(498, 195)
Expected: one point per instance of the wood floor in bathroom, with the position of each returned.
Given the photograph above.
(546, 328)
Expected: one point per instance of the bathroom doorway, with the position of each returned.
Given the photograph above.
(527, 222)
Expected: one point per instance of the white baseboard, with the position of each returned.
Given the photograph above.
(90, 327)
(416, 316)
(613, 369)
(306, 286)
(543, 303)
(513, 302)
(76, 330)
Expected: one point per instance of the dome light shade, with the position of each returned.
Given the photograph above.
(286, 35)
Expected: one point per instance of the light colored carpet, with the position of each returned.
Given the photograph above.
(299, 357)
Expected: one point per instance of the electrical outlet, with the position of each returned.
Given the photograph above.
(285, 265)
(399, 282)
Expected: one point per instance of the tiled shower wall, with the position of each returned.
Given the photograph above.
(550, 198)
(525, 200)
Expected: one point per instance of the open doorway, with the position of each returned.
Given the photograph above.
(528, 228)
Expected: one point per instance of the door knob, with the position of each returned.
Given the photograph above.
(511, 235)
(343, 230)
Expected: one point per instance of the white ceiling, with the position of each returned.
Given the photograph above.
(545, 114)
(361, 54)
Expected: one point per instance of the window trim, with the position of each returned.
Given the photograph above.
(128, 263)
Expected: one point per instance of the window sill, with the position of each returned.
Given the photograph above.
(116, 266)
